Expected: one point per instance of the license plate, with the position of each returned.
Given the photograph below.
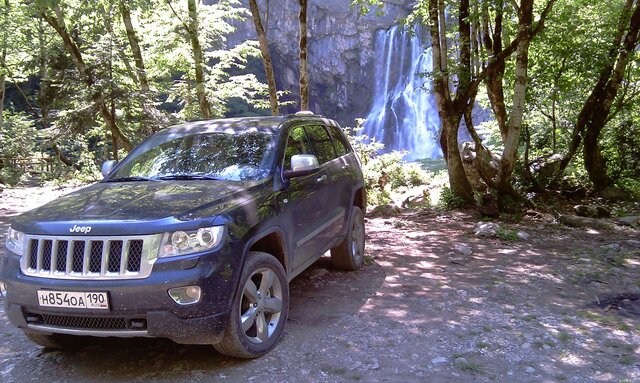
(73, 299)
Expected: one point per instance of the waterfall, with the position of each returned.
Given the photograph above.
(403, 115)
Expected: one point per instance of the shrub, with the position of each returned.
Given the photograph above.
(449, 200)
(383, 173)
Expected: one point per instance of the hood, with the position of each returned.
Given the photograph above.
(137, 207)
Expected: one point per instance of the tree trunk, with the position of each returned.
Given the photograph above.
(266, 57)
(44, 77)
(135, 46)
(57, 23)
(198, 58)
(458, 181)
(509, 154)
(594, 105)
(3, 61)
(304, 74)
(140, 77)
(594, 162)
(494, 80)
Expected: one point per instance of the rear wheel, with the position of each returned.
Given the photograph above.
(53, 341)
(259, 310)
(349, 255)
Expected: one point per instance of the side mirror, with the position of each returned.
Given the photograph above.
(108, 166)
(302, 165)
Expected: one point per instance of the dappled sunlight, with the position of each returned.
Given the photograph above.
(508, 307)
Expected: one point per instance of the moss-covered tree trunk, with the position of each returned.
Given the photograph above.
(304, 73)
(198, 58)
(596, 108)
(3, 58)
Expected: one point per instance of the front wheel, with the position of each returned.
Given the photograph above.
(259, 309)
(349, 255)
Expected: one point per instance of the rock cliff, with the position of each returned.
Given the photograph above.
(341, 45)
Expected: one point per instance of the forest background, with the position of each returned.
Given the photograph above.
(82, 82)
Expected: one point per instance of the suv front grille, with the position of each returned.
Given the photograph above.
(90, 257)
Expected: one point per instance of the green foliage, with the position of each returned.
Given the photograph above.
(449, 200)
(507, 235)
(56, 94)
(16, 146)
(383, 173)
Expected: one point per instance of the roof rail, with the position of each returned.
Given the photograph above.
(303, 113)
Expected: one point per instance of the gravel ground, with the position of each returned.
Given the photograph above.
(561, 306)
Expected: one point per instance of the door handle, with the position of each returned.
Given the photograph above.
(322, 178)
(345, 166)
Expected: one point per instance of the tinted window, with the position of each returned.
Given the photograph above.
(234, 157)
(321, 143)
(339, 141)
(296, 144)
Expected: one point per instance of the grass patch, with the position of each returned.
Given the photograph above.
(627, 360)
(483, 345)
(563, 337)
(469, 367)
(604, 320)
(368, 260)
(507, 235)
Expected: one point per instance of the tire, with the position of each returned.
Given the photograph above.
(349, 255)
(54, 341)
(259, 310)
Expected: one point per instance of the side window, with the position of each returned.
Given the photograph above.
(339, 141)
(296, 144)
(321, 143)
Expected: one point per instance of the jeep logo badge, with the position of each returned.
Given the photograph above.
(80, 229)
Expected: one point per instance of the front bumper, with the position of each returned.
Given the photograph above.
(137, 307)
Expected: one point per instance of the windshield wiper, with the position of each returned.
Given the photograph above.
(187, 177)
(129, 179)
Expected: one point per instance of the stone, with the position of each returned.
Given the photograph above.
(413, 202)
(385, 211)
(633, 243)
(615, 194)
(530, 370)
(629, 220)
(602, 212)
(461, 362)
(317, 273)
(439, 360)
(486, 229)
(575, 221)
(489, 206)
(583, 211)
(341, 51)
(523, 235)
(612, 247)
(463, 249)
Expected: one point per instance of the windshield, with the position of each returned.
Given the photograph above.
(235, 157)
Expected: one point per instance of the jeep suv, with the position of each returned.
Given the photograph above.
(194, 236)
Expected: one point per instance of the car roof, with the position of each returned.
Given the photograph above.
(268, 124)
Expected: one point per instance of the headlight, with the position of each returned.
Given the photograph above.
(187, 242)
(15, 241)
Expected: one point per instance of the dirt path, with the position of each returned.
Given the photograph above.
(419, 311)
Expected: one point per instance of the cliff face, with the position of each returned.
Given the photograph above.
(341, 45)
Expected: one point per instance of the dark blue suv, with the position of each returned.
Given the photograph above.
(194, 236)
